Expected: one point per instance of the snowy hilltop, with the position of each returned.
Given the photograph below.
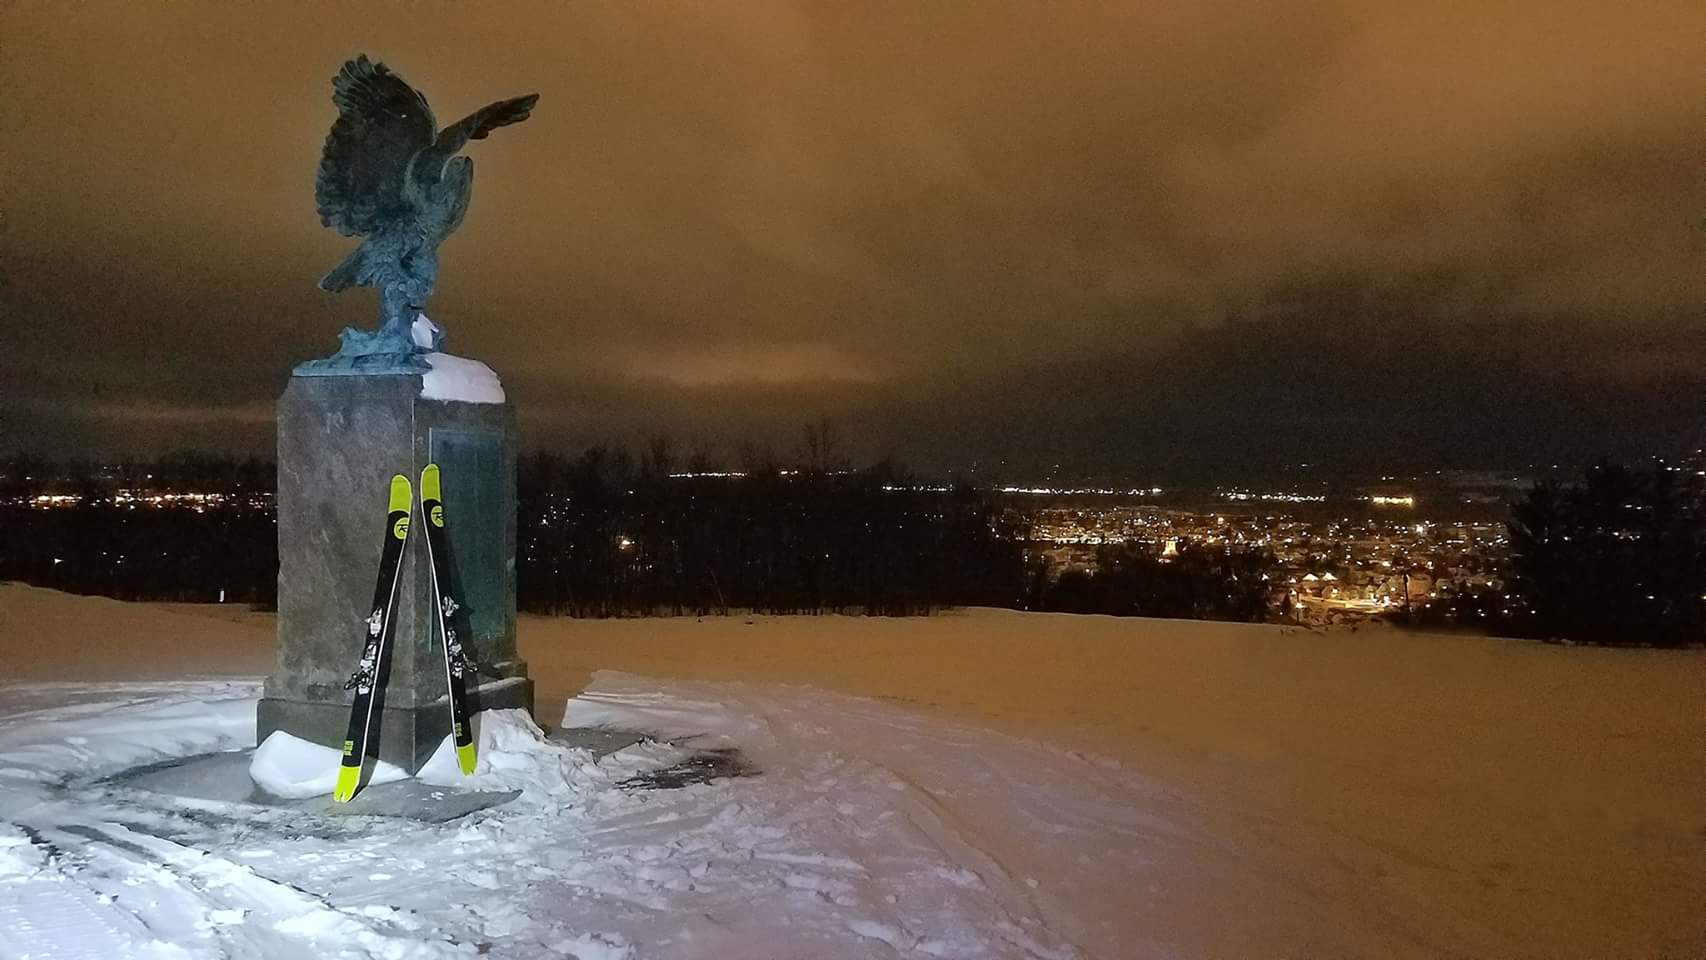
(820, 852)
(977, 784)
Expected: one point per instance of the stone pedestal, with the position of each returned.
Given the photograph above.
(340, 440)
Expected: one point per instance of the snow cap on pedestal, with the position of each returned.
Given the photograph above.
(453, 377)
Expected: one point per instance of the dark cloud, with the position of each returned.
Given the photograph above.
(1120, 236)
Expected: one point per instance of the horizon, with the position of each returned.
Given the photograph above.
(1333, 479)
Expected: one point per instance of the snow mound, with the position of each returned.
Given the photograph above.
(441, 769)
(293, 768)
(514, 754)
(462, 379)
(19, 859)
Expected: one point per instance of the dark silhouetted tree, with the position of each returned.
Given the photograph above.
(1617, 558)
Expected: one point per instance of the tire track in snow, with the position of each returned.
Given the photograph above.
(47, 913)
(221, 908)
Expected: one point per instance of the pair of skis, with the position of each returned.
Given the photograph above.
(370, 673)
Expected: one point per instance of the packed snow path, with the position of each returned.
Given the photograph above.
(868, 831)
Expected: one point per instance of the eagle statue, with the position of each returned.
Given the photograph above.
(391, 177)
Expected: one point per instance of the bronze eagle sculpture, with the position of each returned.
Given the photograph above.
(391, 177)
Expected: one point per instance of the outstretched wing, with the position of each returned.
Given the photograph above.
(382, 123)
(476, 125)
(495, 115)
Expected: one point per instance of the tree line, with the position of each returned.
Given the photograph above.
(1618, 557)
(1614, 556)
(601, 534)
(1200, 582)
(606, 534)
(109, 545)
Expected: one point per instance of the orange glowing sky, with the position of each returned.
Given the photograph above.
(1105, 233)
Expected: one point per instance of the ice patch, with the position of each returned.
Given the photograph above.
(665, 714)
(293, 768)
(878, 931)
(461, 379)
(595, 946)
(172, 720)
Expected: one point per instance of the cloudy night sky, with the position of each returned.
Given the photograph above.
(1130, 238)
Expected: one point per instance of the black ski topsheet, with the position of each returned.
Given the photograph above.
(378, 628)
(444, 601)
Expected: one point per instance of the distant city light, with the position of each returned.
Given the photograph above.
(131, 499)
(1243, 495)
(1083, 491)
(1393, 501)
(56, 500)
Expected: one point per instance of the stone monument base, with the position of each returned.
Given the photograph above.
(340, 440)
(407, 735)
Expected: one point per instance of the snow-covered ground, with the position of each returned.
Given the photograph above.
(976, 785)
(865, 831)
(912, 844)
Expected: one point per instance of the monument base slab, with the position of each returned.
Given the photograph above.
(408, 735)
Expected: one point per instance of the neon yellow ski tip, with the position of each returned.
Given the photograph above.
(431, 493)
(401, 494)
(429, 483)
(465, 759)
(348, 779)
(401, 499)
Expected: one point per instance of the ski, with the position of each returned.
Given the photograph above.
(444, 601)
(373, 653)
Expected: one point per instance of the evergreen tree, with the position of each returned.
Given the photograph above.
(1618, 558)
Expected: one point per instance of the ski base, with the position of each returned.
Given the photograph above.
(465, 758)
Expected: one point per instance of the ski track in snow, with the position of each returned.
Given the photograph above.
(870, 831)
